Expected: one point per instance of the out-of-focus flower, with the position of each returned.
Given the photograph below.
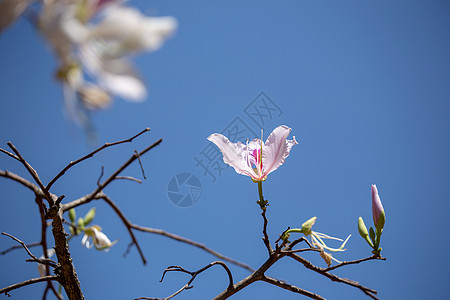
(256, 159)
(99, 239)
(377, 209)
(41, 267)
(98, 37)
(93, 97)
(10, 10)
(123, 31)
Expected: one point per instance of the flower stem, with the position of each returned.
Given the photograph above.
(262, 203)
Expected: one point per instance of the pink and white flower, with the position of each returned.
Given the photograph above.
(256, 159)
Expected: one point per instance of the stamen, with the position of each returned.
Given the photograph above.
(260, 153)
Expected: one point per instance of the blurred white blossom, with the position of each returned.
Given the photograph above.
(99, 239)
(42, 268)
(96, 38)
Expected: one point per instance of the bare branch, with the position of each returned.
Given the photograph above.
(19, 247)
(32, 172)
(22, 243)
(94, 194)
(291, 288)
(33, 258)
(333, 277)
(28, 282)
(101, 176)
(265, 236)
(9, 154)
(192, 243)
(124, 166)
(127, 224)
(129, 178)
(73, 163)
(193, 275)
(34, 188)
(344, 263)
(140, 164)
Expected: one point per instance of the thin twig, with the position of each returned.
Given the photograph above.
(21, 243)
(100, 177)
(129, 178)
(44, 261)
(32, 172)
(301, 250)
(28, 282)
(125, 165)
(140, 164)
(73, 163)
(193, 243)
(344, 263)
(299, 240)
(34, 188)
(127, 224)
(193, 275)
(19, 247)
(9, 154)
(94, 194)
(291, 287)
(333, 277)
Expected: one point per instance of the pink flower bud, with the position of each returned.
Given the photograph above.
(377, 209)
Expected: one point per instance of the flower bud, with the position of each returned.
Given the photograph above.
(72, 215)
(363, 231)
(306, 227)
(377, 209)
(89, 216)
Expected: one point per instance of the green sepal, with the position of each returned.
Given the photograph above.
(306, 227)
(372, 234)
(72, 215)
(89, 216)
(381, 220)
(377, 252)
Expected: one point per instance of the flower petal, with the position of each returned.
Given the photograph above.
(234, 154)
(114, 73)
(277, 148)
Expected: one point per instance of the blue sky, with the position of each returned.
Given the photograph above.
(365, 87)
